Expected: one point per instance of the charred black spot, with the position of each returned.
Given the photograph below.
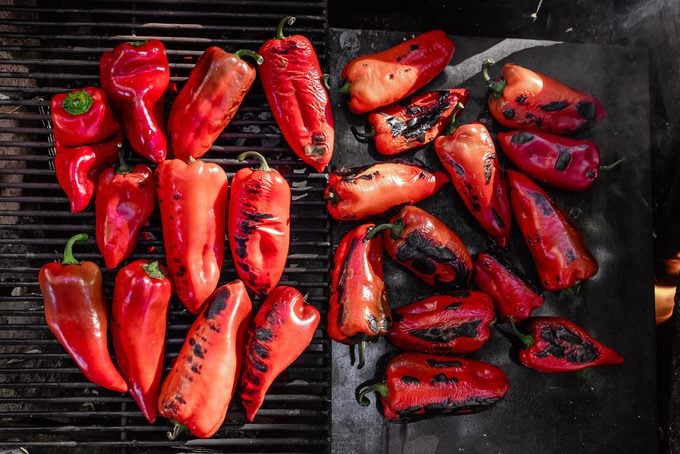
(424, 265)
(244, 266)
(189, 358)
(442, 378)
(417, 121)
(399, 58)
(435, 363)
(570, 255)
(538, 122)
(217, 302)
(509, 113)
(180, 399)
(253, 216)
(563, 158)
(391, 76)
(521, 137)
(407, 412)
(587, 110)
(453, 306)
(241, 246)
(521, 99)
(442, 335)
(565, 344)
(181, 271)
(198, 350)
(195, 369)
(258, 365)
(214, 328)
(497, 218)
(489, 160)
(176, 196)
(554, 106)
(409, 380)
(591, 174)
(414, 47)
(192, 341)
(542, 203)
(367, 177)
(252, 378)
(263, 334)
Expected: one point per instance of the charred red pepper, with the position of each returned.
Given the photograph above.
(208, 101)
(358, 309)
(359, 192)
(135, 76)
(470, 158)
(193, 207)
(421, 385)
(77, 314)
(525, 99)
(380, 79)
(281, 330)
(141, 296)
(294, 85)
(557, 246)
(199, 387)
(426, 246)
(258, 224)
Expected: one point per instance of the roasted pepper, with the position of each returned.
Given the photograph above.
(281, 330)
(380, 79)
(77, 315)
(82, 117)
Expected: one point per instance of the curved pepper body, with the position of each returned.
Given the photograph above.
(281, 331)
(382, 78)
(198, 389)
(93, 122)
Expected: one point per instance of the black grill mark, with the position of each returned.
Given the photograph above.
(509, 113)
(409, 380)
(217, 303)
(263, 334)
(563, 158)
(198, 351)
(542, 203)
(554, 106)
(442, 378)
(443, 335)
(435, 363)
(521, 137)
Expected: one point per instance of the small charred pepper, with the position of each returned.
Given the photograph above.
(426, 246)
(557, 246)
(380, 79)
(524, 99)
(359, 192)
(77, 315)
(282, 329)
(421, 385)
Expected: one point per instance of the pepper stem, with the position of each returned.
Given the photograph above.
(254, 154)
(362, 136)
(397, 228)
(525, 338)
(290, 20)
(454, 116)
(153, 270)
(249, 53)
(177, 429)
(614, 164)
(361, 391)
(496, 86)
(77, 102)
(138, 43)
(123, 166)
(362, 353)
(69, 259)
(345, 89)
(326, 80)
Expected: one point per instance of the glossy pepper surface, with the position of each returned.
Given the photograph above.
(421, 385)
(470, 158)
(77, 314)
(557, 246)
(82, 117)
(359, 192)
(258, 224)
(525, 99)
(198, 389)
(193, 206)
(141, 295)
(380, 79)
(293, 83)
(281, 330)
(135, 76)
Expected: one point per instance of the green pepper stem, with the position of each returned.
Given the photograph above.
(326, 80)
(454, 116)
(397, 228)
(345, 89)
(77, 102)
(290, 20)
(496, 86)
(362, 136)
(123, 166)
(138, 43)
(362, 353)
(525, 338)
(614, 164)
(254, 154)
(249, 53)
(360, 393)
(177, 429)
(153, 270)
(69, 259)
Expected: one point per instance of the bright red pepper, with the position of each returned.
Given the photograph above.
(470, 158)
(282, 329)
(421, 385)
(359, 192)
(380, 79)
(208, 101)
(135, 76)
(258, 224)
(77, 314)
(199, 387)
(141, 296)
(82, 117)
(294, 86)
(525, 99)
(193, 206)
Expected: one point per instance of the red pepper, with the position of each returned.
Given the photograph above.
(294, 86)
(199, 387)
(82, 117)
(525, 99)
(426, 246)
(421, 385)
(445, 324)
(193, 206)
(559, 345)
(135, 76)
(380, 79)
(469, 156)
(359, 192)
(141, 295)
(258, 224)
(125, 199)
(209, 100)
(77, 315)
(358, 309)
(557, 246)
(282, 329)
(515, 299)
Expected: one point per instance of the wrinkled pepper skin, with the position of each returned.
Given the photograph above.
(420, 385)
(380, 79)
(77, 314)
(193, 207)
(135, 76)
(556, 344)
(557, 246)
(82, 117)
(141, 295)
(358, 192)
(293, 84)
(525, 99)
(198, 389)
(258, 224)
(470, 158)
(561, 162)
(513, 297)
(281, 331)
(427, 247)
(454, 323)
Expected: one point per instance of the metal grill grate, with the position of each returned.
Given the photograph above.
(49, 47)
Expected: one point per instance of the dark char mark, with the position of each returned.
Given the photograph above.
(442, 378)
(198, 351)
(419, 120)
(554, 106)
(563, 158)
(542, 203)
(217, 303)
(562, 343)
(410, 380)
(509, 113)
(263, 334)
(441, 335)
(521, 137)
(451, 363)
